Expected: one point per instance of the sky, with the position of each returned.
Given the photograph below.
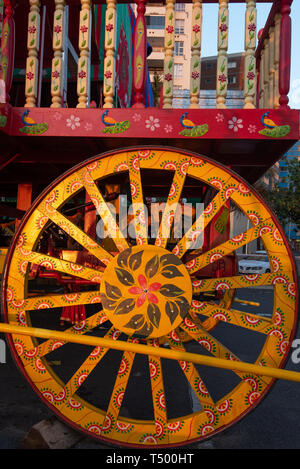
(236, 37)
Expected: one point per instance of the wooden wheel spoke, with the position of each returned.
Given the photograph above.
(104, 211)
(239, 281)
(81, 328)
(158, 395)
(140, 218)
(172, 202)
(88, 365)
(62, 266)
(56, 301)
(76, 233)
(196, 382)
(210, 343)
(232, 316)
(198, 227)
(224, 249)
(118, 392)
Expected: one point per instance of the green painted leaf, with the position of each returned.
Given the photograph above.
(125, 306)
(170, 290)
(124, 277)
(107, 303)
(154, 314)
(171, 271)
(135, 260)
(145, 331)
(152, 266)
(183, 306)
(136, 322)
(123, 258)
(170, 259)
(112, 291)
(172, 310)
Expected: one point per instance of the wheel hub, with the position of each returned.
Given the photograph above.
(146, 291)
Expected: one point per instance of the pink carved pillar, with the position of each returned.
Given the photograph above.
(139, 56)
(285, 53)
(7, 47)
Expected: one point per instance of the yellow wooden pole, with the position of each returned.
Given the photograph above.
(154, 351)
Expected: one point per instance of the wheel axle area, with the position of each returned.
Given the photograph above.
(154, 351)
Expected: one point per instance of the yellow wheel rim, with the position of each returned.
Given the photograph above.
(151, 319)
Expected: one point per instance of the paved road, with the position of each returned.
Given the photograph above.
(274, 424)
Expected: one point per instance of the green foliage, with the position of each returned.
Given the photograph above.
(285, 201)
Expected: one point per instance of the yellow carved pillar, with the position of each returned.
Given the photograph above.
(250, 62)
(58, 48)
(169, 60)
(83, 75)
(32, 62)
(109, 61)
(196, 54)
(221, 87)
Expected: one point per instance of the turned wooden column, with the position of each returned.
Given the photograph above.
(7, 51)
(285, 53)
(139, 56)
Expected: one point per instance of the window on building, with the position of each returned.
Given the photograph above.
(178, 70)
(179, 7)
(231, 80)
(155, 22)
(178, 48)
(231, 65)
(179, 26)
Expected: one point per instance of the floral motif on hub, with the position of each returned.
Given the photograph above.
(146, 291)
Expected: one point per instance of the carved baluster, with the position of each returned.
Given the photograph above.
(276, 60)
(139, 55)
(266, 71)
(250, 45)
(261, 80)
(83, 75)
(196, 54)
(33, 45)
(271, 67)
(58, 47)
(169, 60)
(109, 61)
(285, 53)
(221, 88)
(7, 51)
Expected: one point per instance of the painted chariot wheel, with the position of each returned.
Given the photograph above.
(128, 285)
